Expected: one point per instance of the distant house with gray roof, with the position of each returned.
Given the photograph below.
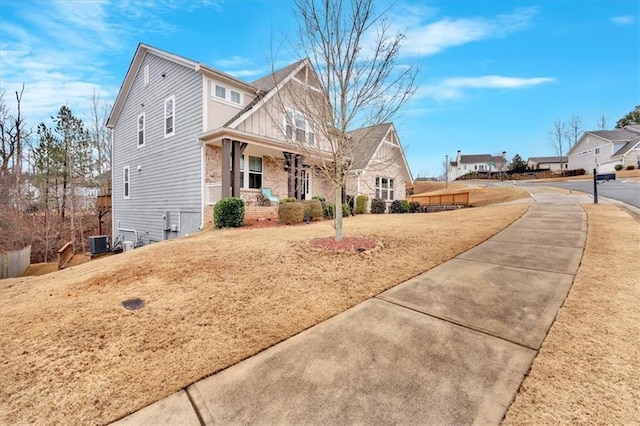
(555, 164)
(474, 163)
(604, 149)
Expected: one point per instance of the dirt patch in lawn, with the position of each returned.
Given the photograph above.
(587, 369)
(71, 353)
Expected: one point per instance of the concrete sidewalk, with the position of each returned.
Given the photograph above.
(450, 346)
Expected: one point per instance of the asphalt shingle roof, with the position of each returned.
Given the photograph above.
(365, 141)
(562, 159)
(481, 158)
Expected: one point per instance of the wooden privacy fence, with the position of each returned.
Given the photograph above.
(461, 198)
(14, 263)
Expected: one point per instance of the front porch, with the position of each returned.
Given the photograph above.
(255, 164)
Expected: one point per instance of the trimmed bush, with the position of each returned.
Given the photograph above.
(288, 200)
(618, 167)
(414, 207)
(361, 204)
(399, 206)
(314, 207)
(291, 212)
(346, 210)
(631, 167)
(229, 213)
(378, 206)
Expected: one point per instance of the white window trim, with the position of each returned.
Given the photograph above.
(144, 132)
(390, 189)
(308, 127)
(245, 177)
(164, 122)
(227, 95)
(146, 75)
(126, 182)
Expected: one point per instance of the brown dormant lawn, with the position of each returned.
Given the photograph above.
(71, 354)
(587, 369)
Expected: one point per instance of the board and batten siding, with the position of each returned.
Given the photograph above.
(165, 173)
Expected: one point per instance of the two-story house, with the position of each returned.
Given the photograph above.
(604, 149)
(186, 135)
(465, 164)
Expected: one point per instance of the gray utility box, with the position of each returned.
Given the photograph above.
(99, 244)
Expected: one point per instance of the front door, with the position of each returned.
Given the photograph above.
(306, 184)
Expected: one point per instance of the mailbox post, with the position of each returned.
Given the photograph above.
(595, 187)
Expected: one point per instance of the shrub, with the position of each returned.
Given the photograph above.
(618, 167)
(361, 204)
(328, 210)
(314, 207)
(319, 198)
(288, 200)
(228, 213)
(631, 167)
(399, 206)
(414, 207)
(291, 212)
(581, 172)
(378, 206)
(346, 210)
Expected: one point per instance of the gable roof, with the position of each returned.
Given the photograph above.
(481, 158)
(136, 63)
(627, 134)
(269, 81)
(367, 141)
(266, 87)
(562, 159)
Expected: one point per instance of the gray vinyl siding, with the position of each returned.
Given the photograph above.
(170, 178)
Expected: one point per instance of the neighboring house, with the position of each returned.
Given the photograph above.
(175, 121)
(604, 149)
(379, 168)
(483, 163)
(555, 164)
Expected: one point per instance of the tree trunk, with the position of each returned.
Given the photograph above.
(338, 214)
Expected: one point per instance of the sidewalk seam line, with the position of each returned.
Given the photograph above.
(458, 324)
(519, 267)
(195, 408)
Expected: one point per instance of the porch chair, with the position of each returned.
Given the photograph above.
(266, 192)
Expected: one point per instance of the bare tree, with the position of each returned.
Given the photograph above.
(100, 139)
(574, 130)
(602, 123)
(557, 138)
(354, 53)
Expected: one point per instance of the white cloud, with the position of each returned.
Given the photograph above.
(430, 38)
(624, 20)
(454, 87)
(61, 49)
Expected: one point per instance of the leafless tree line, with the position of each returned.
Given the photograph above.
(49, 176)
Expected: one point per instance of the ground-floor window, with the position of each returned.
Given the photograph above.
(384, 188)
(252, 179)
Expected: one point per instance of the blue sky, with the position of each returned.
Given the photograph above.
(494, 75)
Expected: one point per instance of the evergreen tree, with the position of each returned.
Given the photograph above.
(517, 164)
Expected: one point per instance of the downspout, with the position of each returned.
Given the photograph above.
(203, 189)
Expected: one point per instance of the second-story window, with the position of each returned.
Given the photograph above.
(298, 128)
(221, 92)
(235, 97)
(169, 116)
(141, 130)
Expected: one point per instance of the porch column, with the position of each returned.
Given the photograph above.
(298, 177)
(291, 169)
(226, 168)
(237, 149)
